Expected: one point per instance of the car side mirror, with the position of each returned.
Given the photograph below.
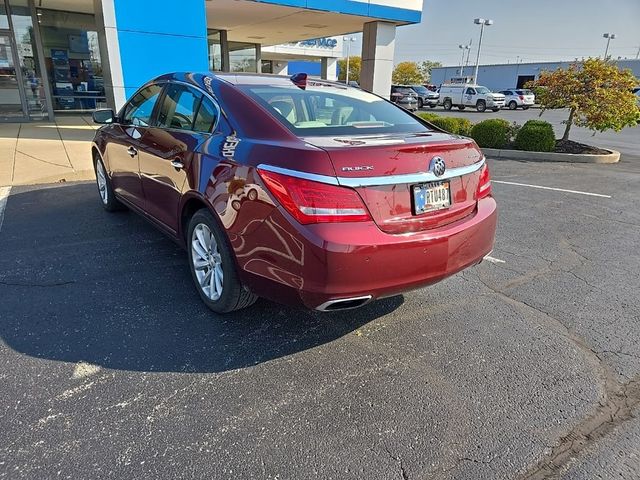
(104, 116)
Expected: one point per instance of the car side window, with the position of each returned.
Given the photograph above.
(470, 91)
(178, 109)
(206, 117)
(140, 108)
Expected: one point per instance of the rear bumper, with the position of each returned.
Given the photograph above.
(316, 264)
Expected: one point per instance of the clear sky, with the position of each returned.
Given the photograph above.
(543, 30)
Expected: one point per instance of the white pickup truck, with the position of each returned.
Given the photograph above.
(469, 95)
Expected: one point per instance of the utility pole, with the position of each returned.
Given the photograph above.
(609, 37)
(482, 22)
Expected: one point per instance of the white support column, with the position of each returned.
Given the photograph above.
(378, 46)
(329, 69)
(110, 53)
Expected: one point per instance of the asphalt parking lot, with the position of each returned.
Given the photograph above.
(526, 366)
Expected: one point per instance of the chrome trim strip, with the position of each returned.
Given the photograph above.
(296, 173)
(423, 177)
(326, 305)
(355, 182)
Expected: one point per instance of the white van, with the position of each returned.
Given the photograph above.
(470, 95)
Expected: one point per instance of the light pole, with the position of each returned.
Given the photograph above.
(482, 22)
(609, 37)
(349, 40)
(463, 48)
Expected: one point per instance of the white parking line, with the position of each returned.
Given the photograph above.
(551, 188)
(493, 260)
(4, 195)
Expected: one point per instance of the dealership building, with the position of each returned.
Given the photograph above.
(78, 55)
(511, 75)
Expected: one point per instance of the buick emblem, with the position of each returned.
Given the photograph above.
(437, 166)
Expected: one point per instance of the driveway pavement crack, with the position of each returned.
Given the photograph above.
(403, 472)
(616, 407)
(39, 285)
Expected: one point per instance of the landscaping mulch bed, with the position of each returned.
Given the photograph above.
(569, 146)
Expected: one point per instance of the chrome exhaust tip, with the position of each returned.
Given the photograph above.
(344, 303)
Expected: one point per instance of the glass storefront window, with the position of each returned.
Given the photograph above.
(72, 57)
(242, 57)
(34, 88)
(215, 50)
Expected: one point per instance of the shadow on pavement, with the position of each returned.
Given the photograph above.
(79, 284)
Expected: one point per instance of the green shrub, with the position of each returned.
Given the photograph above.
(428, 116)
(455, 125)
(492, 133)
(536, 136)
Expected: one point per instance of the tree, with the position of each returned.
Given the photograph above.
(597, 93)
(355, 64)
(407, 73)
(425, 68)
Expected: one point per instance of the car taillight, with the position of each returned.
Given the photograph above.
(521, 97)
(314, 202)
(484, 184)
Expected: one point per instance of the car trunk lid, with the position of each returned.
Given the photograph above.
(385, 170)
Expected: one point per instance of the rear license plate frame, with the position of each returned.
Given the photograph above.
(420, 205)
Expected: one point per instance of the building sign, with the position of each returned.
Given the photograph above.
(319, 43)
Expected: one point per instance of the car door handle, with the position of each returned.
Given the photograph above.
(177, 164)
(132, 151)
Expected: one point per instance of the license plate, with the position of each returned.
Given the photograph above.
(431, 196)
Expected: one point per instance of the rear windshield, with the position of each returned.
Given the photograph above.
(523, 92)
(327, 110)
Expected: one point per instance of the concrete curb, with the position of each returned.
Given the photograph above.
(75, 176)
(613, 157)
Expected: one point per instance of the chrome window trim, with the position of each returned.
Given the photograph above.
(355, 182)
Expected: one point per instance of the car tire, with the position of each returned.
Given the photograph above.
(481, 106)
(213, 267)
(420, 104)
(513, 105)
(108, 199)
(447, 104)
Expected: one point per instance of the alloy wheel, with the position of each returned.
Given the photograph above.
(207, 261)
(101, 178)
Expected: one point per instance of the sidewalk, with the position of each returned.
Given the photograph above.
(46, 152)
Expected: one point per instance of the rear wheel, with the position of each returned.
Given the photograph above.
(213, 267)
(109, 201)
(481, 106)
(513, 105)
(447, 104)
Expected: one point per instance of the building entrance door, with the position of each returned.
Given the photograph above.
(12, 100)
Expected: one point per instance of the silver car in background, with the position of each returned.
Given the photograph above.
(518, 98)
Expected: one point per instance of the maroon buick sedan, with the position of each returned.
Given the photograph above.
(297, 190)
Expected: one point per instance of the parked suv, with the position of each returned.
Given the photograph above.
(520, 97)
(470, 95)
(426, 98)
(405, 97)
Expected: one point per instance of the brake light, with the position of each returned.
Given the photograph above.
(484, 184)
(521, 97)
(314, 202)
